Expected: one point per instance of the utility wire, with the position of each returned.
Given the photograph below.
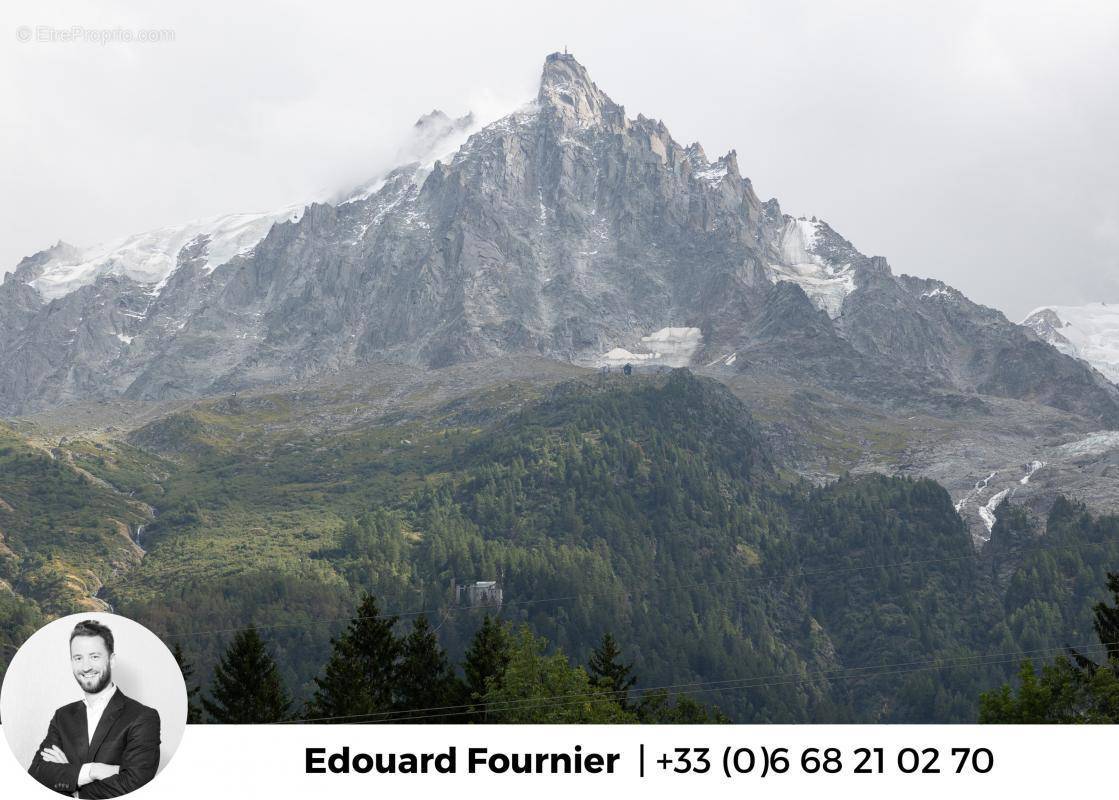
(716, 685)
(412, 715)
(730, 685)
(793, 678)
(600, 699)
(758, 681)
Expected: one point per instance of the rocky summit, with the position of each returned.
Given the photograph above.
(566, 230)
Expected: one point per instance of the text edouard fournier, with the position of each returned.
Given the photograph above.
(475, 760)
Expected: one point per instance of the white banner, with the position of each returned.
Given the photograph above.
(837, 761)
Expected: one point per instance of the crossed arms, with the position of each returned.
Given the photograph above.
(138, 762)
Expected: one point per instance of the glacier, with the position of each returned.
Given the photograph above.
(150, 257)
(826, 284)
(1089, 332)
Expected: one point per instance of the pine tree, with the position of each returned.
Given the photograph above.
(425, 679)
(247, 688)
(359, 677)
(485, 662)
(1107, 628)
(1107, 619)
(607, 670)
(194, 713)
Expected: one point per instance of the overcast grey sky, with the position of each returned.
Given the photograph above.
(971, 142)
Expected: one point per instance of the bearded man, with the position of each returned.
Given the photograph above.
(106, 744)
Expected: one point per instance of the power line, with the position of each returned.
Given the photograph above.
(759, 681)
(791, 678)
(688, 688)
(703, 686)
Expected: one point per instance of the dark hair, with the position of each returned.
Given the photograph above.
(91, 627)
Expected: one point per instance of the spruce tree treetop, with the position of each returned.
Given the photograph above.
(487, 657)
(360, 676)
(247, 688)
(426, 683)
(1106, 624)
(608, 671)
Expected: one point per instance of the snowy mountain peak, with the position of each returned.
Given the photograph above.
(149, 257)
(1046, 323)
(31, 267)
(1089, 332)
(562, 230)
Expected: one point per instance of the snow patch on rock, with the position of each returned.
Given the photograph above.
(1093, 444)
(724, 360)
(669, 347)
(826, 284)
(713, 173)
(939, 291)
(620, 356)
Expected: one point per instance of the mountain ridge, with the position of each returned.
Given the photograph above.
(565, 229)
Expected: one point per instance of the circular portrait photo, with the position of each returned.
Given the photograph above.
(93, 705)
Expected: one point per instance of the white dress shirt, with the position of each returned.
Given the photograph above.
(94, 708)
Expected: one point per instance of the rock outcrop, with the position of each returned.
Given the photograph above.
(566, 229)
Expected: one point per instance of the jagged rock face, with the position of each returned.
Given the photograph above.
(915, 324)
(565, 229)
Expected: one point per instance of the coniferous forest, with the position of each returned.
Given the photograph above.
(376, 676)
(656, 562)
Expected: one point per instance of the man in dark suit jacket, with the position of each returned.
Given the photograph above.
(121, 752)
